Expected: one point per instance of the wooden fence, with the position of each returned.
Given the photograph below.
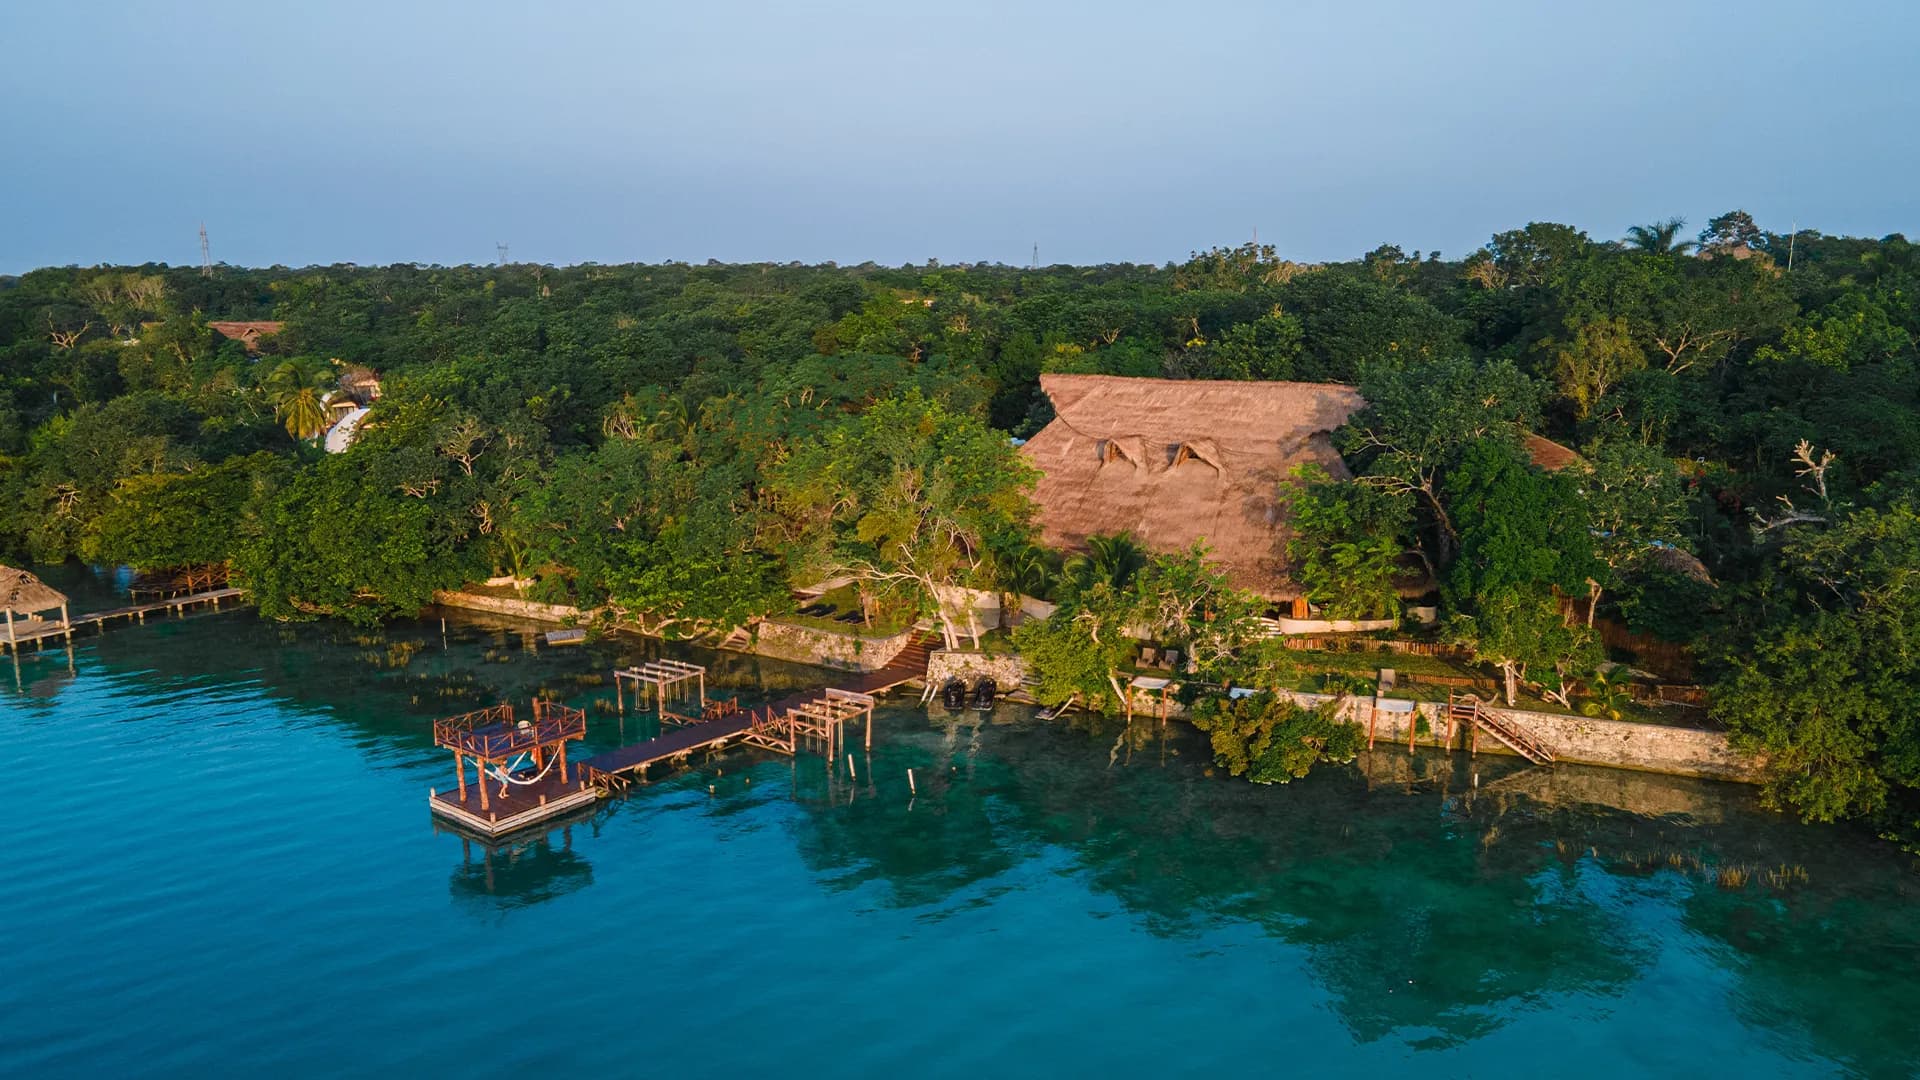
(1340, 643)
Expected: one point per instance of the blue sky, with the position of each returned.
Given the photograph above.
(371, 133)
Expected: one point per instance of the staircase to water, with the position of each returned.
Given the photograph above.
(1470, 710)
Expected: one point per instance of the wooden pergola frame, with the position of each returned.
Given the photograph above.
(1148, 683)
(825, 717)
(661, 675)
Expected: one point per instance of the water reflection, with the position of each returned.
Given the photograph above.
(497, 875)
(1436, 898)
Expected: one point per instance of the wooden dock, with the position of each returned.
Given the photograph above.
(815, 714)
(45, 630)
(517, 807)
(497, 745)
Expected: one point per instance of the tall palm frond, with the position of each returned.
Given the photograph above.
(1660, 238)
(1109, 560)
(297, 388)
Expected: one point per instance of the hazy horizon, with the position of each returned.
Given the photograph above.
(855, 132)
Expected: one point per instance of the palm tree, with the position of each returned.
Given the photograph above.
(1026, 571)
(1608, 694)
(1109, 560)
(297, 387)
(1660, 238)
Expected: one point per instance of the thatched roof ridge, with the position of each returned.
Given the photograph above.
(1177, 460)
(1682, 563)
(24, 594)
(246, 332)
(1549, 455)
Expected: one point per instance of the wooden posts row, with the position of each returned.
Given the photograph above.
(660, 675)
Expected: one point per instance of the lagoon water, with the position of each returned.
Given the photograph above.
(221, 862)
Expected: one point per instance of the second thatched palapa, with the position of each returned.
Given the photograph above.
(1173, 461)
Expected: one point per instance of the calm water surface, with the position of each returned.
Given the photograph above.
(222, 862)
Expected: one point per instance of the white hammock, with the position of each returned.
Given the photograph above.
(506, 775)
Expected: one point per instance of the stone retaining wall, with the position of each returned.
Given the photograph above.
(1618, 744)
(1006, 671)
(506, 605)
(827, 648)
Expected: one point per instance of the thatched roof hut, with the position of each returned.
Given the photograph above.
(23, 594)
(1173, 461)
(1549, 455)
(247, 333)
(1682, 564)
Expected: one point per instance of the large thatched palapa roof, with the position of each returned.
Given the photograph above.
(1173, 461)
(1549, 455)
(23, 594)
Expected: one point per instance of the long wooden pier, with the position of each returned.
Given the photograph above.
(46, 630)
(809, 715)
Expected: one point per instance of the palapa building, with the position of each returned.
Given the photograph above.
(1173, 461)
(23, 599)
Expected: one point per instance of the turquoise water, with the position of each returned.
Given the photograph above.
(221, 861)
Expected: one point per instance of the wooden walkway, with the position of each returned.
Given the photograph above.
(133, 612)
(611, 768)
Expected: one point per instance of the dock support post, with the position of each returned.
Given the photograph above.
(481, 762)
(460, 770)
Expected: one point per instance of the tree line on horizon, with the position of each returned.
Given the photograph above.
(684, 443)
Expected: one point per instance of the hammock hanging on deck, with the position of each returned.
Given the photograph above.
(506, 775)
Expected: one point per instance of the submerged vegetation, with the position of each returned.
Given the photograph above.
(681, 444)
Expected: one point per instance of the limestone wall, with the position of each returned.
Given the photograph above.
(506, 605)
(957, 603)
(1288, 625)
(827, 648)
(1621, 744)
(1006, 671)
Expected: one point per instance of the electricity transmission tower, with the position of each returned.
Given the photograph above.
(1036, 256)
(502, 250)
(206, 255)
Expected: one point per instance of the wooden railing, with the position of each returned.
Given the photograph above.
(770, 731)
(453, 727)
(1347, 643)
(492, 733)
(1501, 725)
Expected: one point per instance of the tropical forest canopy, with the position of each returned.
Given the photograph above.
(684, 443)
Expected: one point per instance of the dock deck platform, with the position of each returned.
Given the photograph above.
(521, 806)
